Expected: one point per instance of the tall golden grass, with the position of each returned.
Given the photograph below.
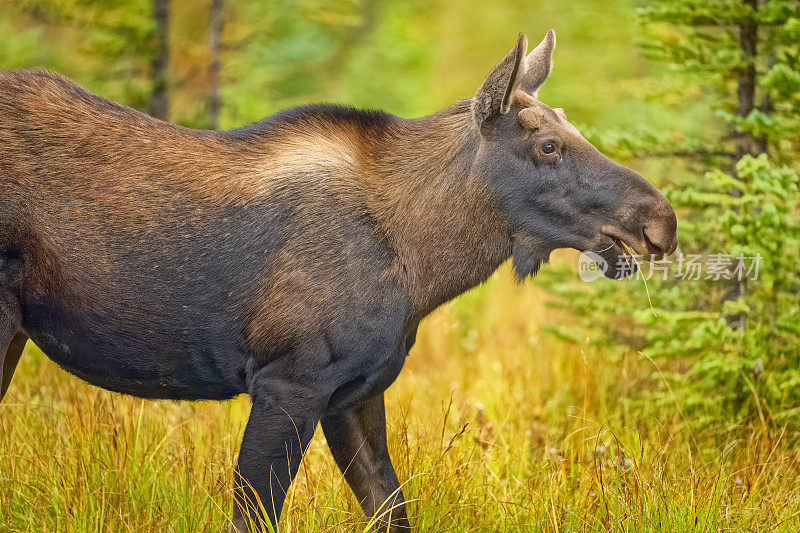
(495, 425)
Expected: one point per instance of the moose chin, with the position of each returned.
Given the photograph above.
(291, 259)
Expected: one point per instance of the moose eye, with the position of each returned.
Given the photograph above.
(548, 147)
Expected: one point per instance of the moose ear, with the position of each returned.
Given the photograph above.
(495, 94)
(538, 64)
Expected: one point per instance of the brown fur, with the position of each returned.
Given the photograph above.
(437, 219)
(408, 178)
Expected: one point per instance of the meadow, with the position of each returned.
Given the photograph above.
(495, 425)
(499, 421)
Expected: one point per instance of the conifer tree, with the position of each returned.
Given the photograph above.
(736, 328)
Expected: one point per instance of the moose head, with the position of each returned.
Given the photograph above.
(558, 190)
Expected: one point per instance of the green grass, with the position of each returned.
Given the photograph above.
(494, 426)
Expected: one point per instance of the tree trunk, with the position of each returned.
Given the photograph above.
(746, 85)
(159, 97)
(767, 105)
(215, 26)
(745, 143)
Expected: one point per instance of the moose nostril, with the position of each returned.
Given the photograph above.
(652, 248)
(660, 230)
(661, 239)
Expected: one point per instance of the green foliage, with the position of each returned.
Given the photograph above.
(295, 53)
(732, 349)
(20, 49)
(725, 377)
(106, 43)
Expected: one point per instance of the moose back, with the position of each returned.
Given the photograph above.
(291, 259)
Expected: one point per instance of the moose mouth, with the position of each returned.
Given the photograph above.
(618, 260)
(624, 252)
(625, 262)
(644, 249)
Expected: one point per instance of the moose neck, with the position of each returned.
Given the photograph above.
(441, 218)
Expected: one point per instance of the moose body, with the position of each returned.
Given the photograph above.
(166, 227)
(291, 259)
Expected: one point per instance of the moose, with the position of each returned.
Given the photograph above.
(291, 259)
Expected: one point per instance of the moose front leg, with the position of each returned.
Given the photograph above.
(12, 355)
(12, 342)
(357, 439)
(282, 421)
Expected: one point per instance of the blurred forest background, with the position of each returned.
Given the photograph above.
(555, 405)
